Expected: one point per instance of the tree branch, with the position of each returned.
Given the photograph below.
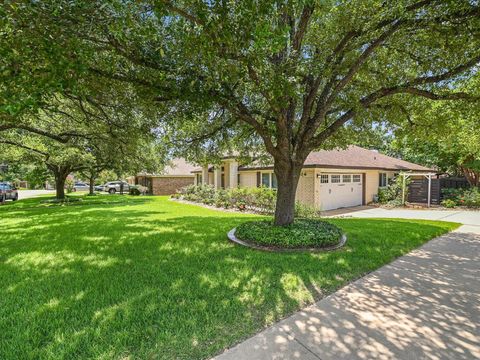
(363, 58)
(302, 27)
(183, 13)
(13, 143)
(406, 88)
(37, 131)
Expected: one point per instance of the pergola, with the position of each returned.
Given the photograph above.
(406, 175)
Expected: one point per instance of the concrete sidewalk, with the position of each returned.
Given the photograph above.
(425, 305)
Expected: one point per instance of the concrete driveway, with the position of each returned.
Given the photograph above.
(25, 194)
(425, 305)
(470, 218)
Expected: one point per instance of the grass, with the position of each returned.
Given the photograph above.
(303, 233)
(144, 277)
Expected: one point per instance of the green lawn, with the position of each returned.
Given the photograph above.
(123, 277)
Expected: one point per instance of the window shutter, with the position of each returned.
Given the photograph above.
(259, 178)
(380, 179)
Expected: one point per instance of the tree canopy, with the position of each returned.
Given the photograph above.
(444, 135)
(69, 133)
(296, 75)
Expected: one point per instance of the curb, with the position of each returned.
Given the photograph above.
(231, 236)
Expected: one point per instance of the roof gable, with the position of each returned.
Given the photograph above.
(177, 167)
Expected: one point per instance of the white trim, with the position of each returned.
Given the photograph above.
(168, 176)
(271, 174)
(381, 174)
(428, 175)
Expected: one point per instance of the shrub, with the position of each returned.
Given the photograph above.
(69, 185)
(302, 233)
(462, 197)
(471, 197)
(394, 203)
(305, 211)
(240, 198)
(385, 195)
(452, 194)
(134, 190)
(448, 203)
(263, 199)
(137, 190)
(199, 193)
(222, 199)
(260, 199)
(391, 195)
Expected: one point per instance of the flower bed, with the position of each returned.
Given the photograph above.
(259, 199)
(461, 197)
(302, 234)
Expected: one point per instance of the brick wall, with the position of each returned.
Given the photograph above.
(169, 185)
(305, 188)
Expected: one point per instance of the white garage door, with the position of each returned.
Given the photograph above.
(340, 190)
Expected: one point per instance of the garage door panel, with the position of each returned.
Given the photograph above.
(340, 190)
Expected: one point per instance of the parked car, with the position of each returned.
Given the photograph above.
(99, 187)
(7, 192)
(113, 187)
(80, 186)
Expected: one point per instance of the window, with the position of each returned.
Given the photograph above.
(199, 179)
(266, 179)
(335, 179)
(382, 179)
(347, 178)
(356, 178)
(323, 179)
(269, 180)
(274, 181)
(238, 180)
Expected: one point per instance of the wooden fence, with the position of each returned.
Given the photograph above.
(454, 182)
(418, 189)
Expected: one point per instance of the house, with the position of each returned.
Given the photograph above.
(175, 176)
(330, 179)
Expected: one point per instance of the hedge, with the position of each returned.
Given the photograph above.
(259, 199)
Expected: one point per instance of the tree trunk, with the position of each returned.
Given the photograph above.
(91, 185)
(472, 176)
(288, 175)
(60, 179)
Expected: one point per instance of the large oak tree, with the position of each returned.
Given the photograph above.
(295, 72)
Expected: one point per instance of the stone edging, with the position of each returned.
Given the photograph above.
(231, 236)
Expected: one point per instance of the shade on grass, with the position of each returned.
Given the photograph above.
(118, 277)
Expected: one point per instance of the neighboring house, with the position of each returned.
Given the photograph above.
(329, 180)
(174, 177)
